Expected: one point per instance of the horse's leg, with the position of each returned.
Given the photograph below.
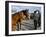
(20, 23)
(20, 26)
(14, 22)
(13, 27)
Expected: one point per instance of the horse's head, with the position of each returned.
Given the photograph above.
(26, 13)
(22, 16)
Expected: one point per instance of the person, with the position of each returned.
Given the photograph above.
(39, 19)
(35, 19)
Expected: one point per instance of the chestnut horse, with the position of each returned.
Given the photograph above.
(18, 17)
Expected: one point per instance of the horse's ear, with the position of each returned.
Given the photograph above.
(27, 10)
(21, 13)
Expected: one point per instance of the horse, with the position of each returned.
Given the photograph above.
(18, 17)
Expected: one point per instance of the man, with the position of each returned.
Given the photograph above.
(39, 19)
(35, 19)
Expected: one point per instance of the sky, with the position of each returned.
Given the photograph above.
(19, 8)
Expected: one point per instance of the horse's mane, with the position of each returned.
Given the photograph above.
(24, 11)
(14, 13)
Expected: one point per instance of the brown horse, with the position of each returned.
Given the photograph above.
(18, 17)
